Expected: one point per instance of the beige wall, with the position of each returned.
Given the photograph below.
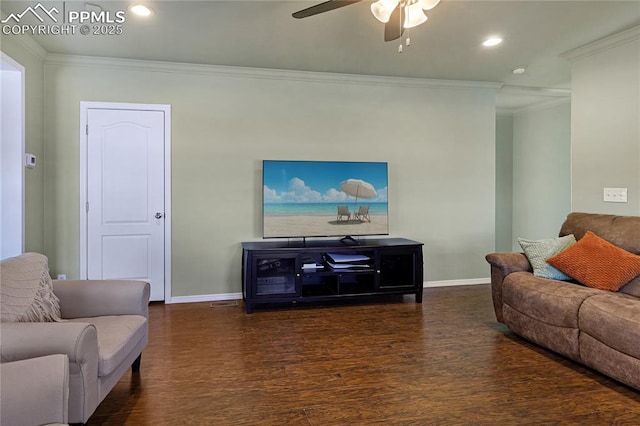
(438, 138)
(541, 171)
(31, 56)
(605, 123)
(533, 185)
(504, 181)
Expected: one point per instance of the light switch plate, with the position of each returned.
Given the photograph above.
(615, 195)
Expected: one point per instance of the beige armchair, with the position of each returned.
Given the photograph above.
(34, 391)
(103, 332)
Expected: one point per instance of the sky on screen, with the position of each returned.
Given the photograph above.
(318, 182)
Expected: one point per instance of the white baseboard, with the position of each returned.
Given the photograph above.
(204, 298)
(236, 296)
(450, 283)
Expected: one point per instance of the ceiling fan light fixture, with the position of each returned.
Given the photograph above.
(428, 4)
(382, 9)
(414, 16)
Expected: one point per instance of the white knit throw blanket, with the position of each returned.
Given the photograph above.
(26, 290)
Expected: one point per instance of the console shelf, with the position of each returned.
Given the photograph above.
(296, 272)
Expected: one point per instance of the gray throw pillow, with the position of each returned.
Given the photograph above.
(538, 251)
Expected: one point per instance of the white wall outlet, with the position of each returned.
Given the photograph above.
(615, 195)
(62, 276)
(30, 161)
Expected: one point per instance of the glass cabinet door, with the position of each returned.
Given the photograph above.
(276, 275)
(397, 269)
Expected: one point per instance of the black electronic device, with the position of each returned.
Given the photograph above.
(302, 199)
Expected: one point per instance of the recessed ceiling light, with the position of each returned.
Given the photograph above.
(141, 10)
(519, 70)
(492, 41)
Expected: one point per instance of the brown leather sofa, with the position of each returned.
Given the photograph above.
(598, 328)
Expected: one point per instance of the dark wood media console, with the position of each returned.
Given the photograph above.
(286, 272)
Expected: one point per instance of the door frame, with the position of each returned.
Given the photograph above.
(85, 106)
(17, 214)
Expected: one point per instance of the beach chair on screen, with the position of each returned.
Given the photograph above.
(362, 214)
(343, 211)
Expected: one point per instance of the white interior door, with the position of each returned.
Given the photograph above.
(126, 196)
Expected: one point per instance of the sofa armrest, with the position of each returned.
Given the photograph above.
(35, 391)
(93, 298)
(509, 262)
(503, 264)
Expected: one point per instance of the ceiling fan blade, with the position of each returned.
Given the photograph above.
(323, 7)
(394, 28)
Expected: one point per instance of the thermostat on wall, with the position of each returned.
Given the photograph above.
(30, 160)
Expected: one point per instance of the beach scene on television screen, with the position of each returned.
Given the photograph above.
(311, 198)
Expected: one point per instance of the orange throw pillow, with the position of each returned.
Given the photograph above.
(597, 263)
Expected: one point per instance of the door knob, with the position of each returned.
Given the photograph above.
(159, 215)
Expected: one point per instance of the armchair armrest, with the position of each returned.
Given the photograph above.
(35, 391)
(24, 340)
(503, 264)
(77, 340)
(92, 298)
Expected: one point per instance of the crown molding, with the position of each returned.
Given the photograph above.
(603, 44)
(30, 45)
(260, 73)
(26, 41)
(535, 91)
(541, 106)
(547, 98)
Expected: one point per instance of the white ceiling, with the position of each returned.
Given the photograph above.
(349, 40)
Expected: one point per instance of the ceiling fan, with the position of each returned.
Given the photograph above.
(397, 15)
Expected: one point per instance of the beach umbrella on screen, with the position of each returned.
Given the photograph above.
(358, 188)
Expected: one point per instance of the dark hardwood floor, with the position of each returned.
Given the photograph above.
(444, 362)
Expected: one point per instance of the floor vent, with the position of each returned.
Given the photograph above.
(223, 304)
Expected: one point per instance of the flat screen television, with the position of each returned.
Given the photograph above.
(324, 199)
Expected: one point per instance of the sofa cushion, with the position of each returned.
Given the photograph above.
(632, 287)
(117, 336)
(552, 302)
(614, 320)
(623, 231)
(563, 340)
(610, 361)
(26, 291)
(597, 263)
(538, 251)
